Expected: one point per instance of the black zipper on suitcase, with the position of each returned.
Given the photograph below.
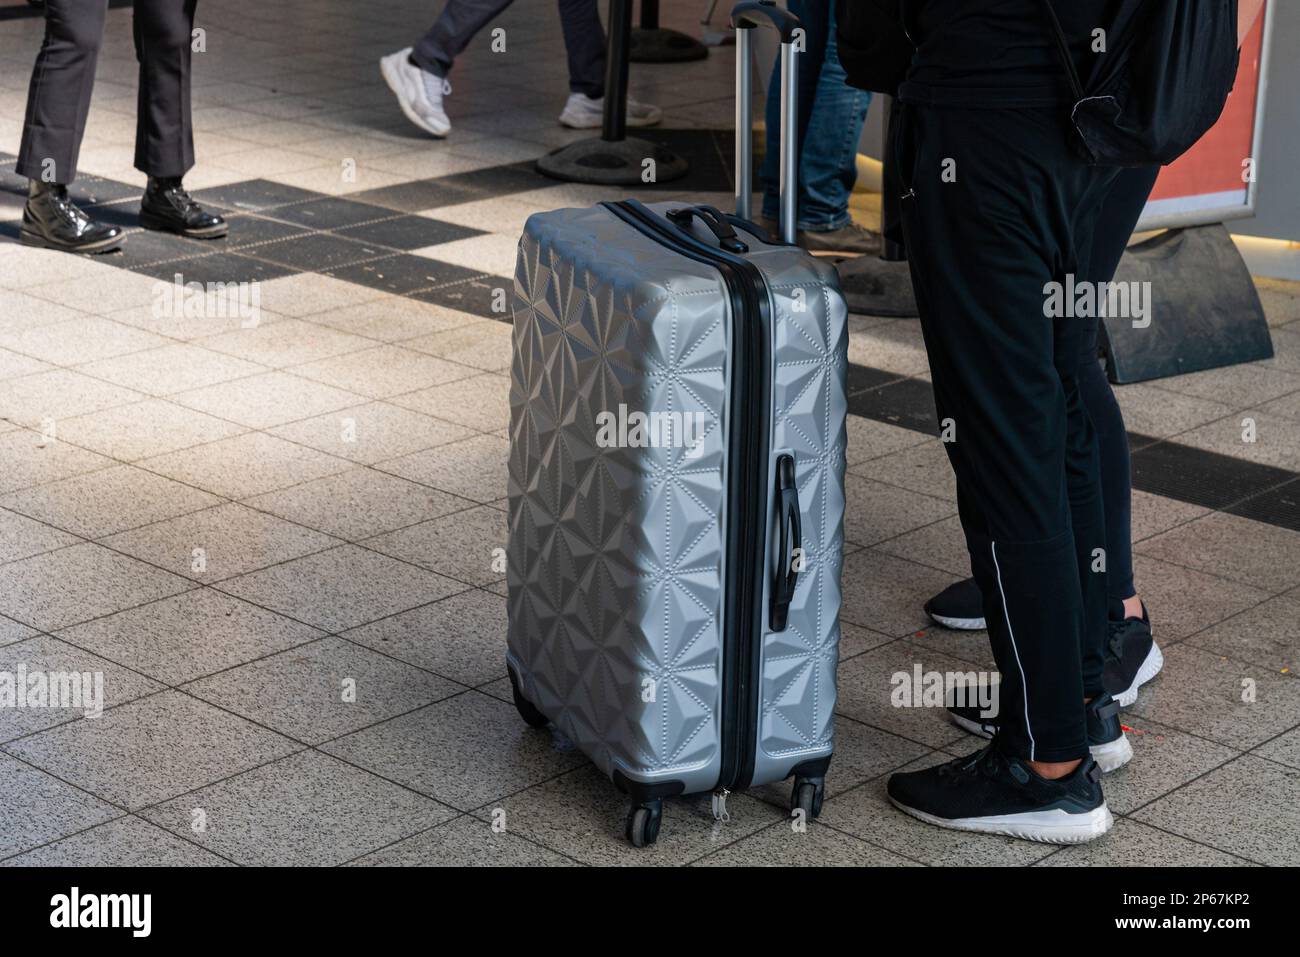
(750, 427)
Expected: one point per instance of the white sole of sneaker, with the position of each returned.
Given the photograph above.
(1112, 755)
(394, 82)
(959, 624)
(1046, 827)
(1109, 757)
(974, 727)
(1151, 665)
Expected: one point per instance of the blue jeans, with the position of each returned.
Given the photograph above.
(829, 121)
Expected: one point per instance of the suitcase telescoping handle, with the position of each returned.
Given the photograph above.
(789, 535)
(744, 17)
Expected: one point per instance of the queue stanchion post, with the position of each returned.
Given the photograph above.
(614, 159)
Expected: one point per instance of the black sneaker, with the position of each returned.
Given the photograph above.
(1132, 658)
(994, 793)
(959, 606)
(1106, 741)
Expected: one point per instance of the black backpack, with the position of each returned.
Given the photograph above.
(1162, 83)
(873, 47)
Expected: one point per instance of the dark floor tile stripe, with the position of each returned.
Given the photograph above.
(907, 403)
(1278, 506)
(1202, 477)
(1264, 493)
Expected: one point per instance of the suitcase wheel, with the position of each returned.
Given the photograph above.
(532, 717)
(643, 822)
(807, 796)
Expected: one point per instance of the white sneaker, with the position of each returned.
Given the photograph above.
(582, 112)
(419, 93)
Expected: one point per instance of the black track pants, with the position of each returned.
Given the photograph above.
(1119, 215)
(1000, 208)
(58, 98)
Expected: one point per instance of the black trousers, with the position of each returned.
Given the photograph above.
(1000, 208)
(1119, 215)
(58, 98)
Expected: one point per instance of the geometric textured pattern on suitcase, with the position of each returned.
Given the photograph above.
(615, 557)
(809, 411)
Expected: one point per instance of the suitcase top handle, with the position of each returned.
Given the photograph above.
(748, 13)
(744, 17)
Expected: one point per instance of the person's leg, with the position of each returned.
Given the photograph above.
(584, 43)
(828, 159)
(1087, 503)
(981, 256)
(58, 98)
(456, 26)
(164, 131)
(983, 250)
(815, 17)
(1124, 651)
(164, 138)
(1120, 213)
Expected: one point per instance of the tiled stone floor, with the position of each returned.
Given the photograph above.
(340, 465)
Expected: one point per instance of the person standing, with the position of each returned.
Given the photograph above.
(417, 74)
(998, 209)
(58, 101)
(830, 118)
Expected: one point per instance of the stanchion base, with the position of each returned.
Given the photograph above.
(605, 163)
(877, 287)
(1206, 311)
(665, 46)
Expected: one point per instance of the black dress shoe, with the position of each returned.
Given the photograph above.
(168, 207)
(52, 221)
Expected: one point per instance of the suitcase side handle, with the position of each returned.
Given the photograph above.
(789, 529)
(744, 17)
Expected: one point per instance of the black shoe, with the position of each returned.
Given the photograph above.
(994, 793)
(769, 226)
(166, 206)
(1106, 741)
(52, 221)
(849, 240)
(1132, 658)
(959, 606)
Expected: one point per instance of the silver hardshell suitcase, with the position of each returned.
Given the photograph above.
(676, 488)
